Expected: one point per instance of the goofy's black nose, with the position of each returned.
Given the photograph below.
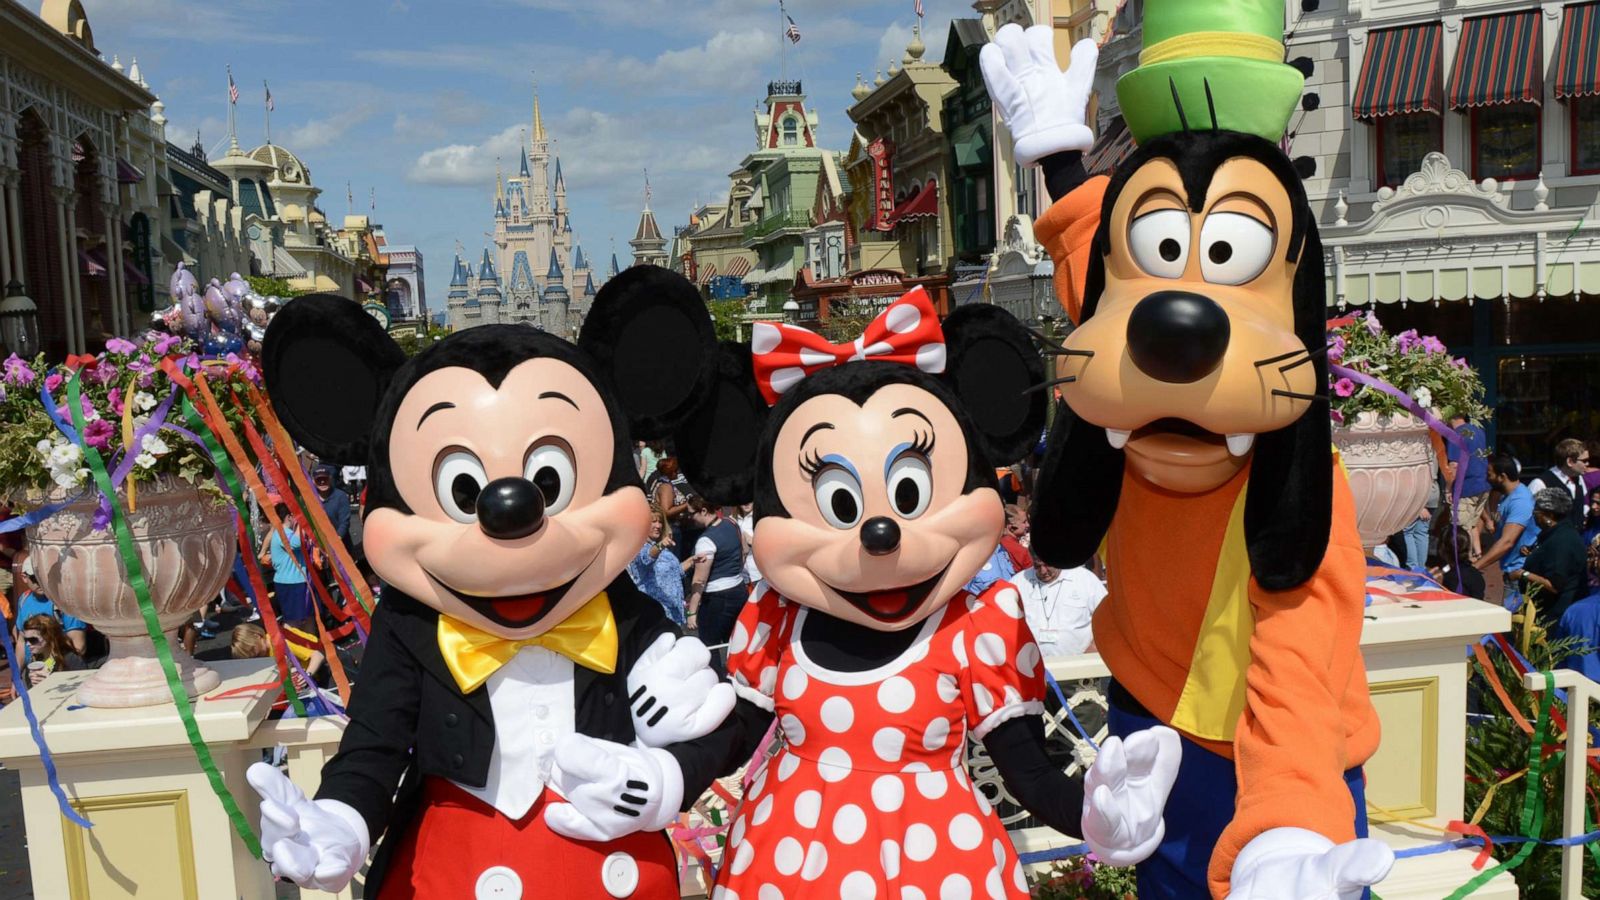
(880, 535)
(510, 508)
(1177, 337)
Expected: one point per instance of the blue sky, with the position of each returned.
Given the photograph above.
(416, 98)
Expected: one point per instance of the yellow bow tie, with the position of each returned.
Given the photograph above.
(588, 637)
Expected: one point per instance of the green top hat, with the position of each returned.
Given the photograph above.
(1216, 64)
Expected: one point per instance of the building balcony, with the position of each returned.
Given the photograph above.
(795, 220)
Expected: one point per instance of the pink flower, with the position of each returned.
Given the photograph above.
(1338, 417)
(1336, 352)
(121, 347)
(101, 374)
(115, 398)
(1409, 340)
(1431, 344)
(53, 382)
(1373, 325)
(18, 372)
(98, 434)
(165, 344)
(1344, 387)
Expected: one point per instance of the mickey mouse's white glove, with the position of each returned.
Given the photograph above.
(1043, 106)
(1125, 793)
(1294, 862)
(612, 790)
(317, 844)
(674, 693)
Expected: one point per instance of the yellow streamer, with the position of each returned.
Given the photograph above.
(127, 440)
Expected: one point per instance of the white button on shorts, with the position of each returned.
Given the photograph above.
(620, 875)
(498, 883)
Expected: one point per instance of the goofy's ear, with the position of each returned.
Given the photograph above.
(1080, 482)
(719, 443)
(1288, 513)
(650, 337)
(993, 367)
(326, 365)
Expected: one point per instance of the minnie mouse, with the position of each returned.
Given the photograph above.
(539, 716)
(875, 501)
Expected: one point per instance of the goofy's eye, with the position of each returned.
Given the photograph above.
(552, 471)
(1159, 242)
(1236, 248)
(839, 496)
(458, 479)
(910, 485)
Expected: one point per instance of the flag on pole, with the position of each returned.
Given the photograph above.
(374, 205)
(233, 89)
(919, 9)
(264, 87)
(793, 31)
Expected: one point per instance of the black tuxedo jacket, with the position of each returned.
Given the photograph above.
(408, 718)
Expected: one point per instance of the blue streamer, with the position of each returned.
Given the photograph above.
(38, 734)
(1071, 716)
(50, 409)
(28, 520)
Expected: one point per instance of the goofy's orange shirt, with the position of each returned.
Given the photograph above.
(1273, 680)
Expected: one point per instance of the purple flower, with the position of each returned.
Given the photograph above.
(1338, 417)
(101, 374)
(1344, 387)
(1431, 344)
(18, 371)
(102, 516)
(1374, 327)
(121, 347)
(1409, 340)
(165, 344)
(145, 381)
(1336, 352)
(53, 382)
(98, 434)
(1460, 362)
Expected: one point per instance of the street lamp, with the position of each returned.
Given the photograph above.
(791, 310)
(19, 321)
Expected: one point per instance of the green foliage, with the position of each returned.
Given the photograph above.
(1084, 878)
(412, 343)
(272, 287)
(726, 317)
(1498, 748)
(1419, 365)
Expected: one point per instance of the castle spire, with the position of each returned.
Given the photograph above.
(499, 183)
(538, 118)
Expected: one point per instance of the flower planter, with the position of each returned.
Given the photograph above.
(1389, 460)
(186, 543)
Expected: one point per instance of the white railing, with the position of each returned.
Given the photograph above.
(1574, 773)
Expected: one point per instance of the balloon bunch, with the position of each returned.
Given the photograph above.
(224, 319)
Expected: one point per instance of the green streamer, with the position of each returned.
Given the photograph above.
(230, 477)
(141, 589)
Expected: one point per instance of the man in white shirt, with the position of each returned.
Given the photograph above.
(1059, 606)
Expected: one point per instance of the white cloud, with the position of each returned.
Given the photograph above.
(315, 134)
(892, 46)
(467, 164)
(726, 58)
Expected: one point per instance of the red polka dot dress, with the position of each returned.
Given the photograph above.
(869, 798)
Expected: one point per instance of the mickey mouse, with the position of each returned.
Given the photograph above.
(875, 501)
(539, 716)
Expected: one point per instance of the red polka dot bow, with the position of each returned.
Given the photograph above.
(907, 332)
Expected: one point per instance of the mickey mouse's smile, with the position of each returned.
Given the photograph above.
(514, 611)
(893, 604)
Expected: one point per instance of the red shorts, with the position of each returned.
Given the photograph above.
(461, 847)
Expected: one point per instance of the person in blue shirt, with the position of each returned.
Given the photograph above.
(656, 570)
(1517, 528)
(998, 568)
(1582, 620)
(291, 594)
(31, 602)
(335, 503)
(1475, 489)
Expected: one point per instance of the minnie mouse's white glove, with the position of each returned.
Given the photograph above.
(1125, 793)
(1294, 862)
(674, 693)
(317, 844)
(1043, 106)
(612, 790)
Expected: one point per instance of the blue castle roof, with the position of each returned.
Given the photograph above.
(486, 269)
(458, 277)
(578, 262)
(554, 275)
(524, 168)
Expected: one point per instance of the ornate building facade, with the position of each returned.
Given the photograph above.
(536, 274)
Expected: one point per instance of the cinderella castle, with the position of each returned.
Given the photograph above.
(535, 273)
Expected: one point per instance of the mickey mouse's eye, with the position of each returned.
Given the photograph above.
(552, 471)
(1237, 248)
(457, 481)
(910, 485)
(1159, 242)
(839, 496)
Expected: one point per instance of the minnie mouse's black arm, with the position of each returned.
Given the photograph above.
(721, 752)
(1063, 172)
(1017, 748)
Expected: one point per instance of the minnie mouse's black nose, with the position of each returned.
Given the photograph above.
(510, 508)
(880, 535)
(1177, 337)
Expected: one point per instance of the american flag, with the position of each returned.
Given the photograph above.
(793, 31)
(919, 9)
(269, 96)
(233, 89)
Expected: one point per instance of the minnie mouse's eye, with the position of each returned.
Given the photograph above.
(552, 471)
(457, 481)
(910, 485)
(839, 496)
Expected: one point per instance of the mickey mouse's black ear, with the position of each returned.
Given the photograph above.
(326, 365)
(650, 335)
(718, 445)
(991, 364)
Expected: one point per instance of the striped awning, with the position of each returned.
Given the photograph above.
(1401, 73)
(1497, 61)
(739, 268)
(706, 273)
(1578, 54)
(1112, 147)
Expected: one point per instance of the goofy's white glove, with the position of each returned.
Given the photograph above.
(1125, 793)
(317, 844)
(612, 790)
(1294, 862)
(1043, 106)
(674, 693)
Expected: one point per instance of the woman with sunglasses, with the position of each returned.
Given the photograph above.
(44, 642)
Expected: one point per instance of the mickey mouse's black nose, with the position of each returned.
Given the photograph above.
(880, 535)
(510, 508)
(1177, 337)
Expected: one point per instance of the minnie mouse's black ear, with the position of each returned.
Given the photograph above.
(326, 365)
(650, 335)
(718, 445)
(991, 364)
